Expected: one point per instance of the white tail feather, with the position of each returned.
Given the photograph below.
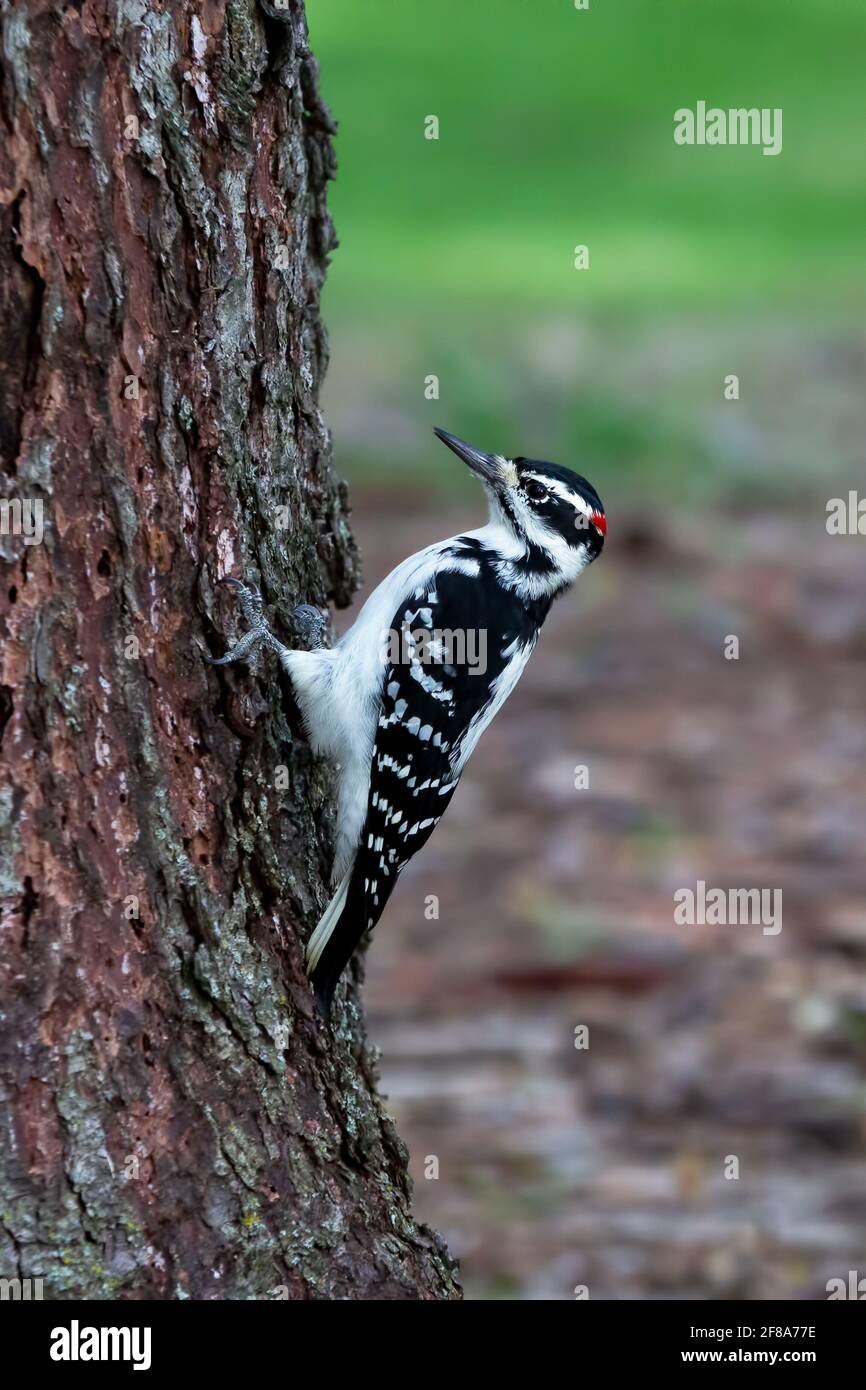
(322, 934)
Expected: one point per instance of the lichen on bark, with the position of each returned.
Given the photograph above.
(177, 1123)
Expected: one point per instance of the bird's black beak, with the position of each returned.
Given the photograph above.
(489, 467)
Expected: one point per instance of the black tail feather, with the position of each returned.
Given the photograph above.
(323, 988)
(337, 952)
(344, 939)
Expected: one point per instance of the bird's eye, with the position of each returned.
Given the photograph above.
(534, 490)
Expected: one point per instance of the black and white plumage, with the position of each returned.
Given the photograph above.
(402, 699)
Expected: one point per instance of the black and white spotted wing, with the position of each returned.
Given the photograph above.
(458, 641)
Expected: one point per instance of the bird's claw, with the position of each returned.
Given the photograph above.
(250, 601)
(311, 624)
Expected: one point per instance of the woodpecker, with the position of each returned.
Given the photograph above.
(402, 699)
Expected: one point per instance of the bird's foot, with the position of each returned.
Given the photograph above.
(258, 633)
(309, 621)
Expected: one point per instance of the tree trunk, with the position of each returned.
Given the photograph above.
(177, 1122)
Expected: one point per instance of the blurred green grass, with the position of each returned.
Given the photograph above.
(556, 128)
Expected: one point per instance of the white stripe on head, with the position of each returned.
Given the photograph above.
(562, 491)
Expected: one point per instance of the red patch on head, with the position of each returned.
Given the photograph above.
(599, 521)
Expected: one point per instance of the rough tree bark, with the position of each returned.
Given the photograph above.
(177, 1124)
